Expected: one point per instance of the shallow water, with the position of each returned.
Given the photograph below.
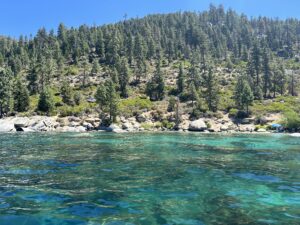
(101, 178)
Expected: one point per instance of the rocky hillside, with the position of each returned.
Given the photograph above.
(161, 72)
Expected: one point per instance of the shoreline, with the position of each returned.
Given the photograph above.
(296, 134)
(34, 124)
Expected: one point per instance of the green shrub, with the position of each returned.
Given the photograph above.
(77, 98)
(147, 126)
(71, 111)
(172, 104)
(184, 97)
(242, 114)
(218, 115)
(167, 124)
(131, 106)
(233, 112)
(281, 104)
(292, 120)
(157, 115)
(158, 125)
(72, 70)
(257, 127)
(196, 113)
(46, 101)
(208, 124)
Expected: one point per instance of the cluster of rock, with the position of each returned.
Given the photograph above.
(224, 124)
(44, 124)
(142, 122)
(28, 124)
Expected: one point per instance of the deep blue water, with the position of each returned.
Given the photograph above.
(162, 178)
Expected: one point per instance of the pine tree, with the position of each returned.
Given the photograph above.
(140, 70)
(113, 46)
(139, 52)
(156, 86)
(46, 101)
(243, 94)
(85, 65)
(282, 79)
(194, 73)
(292, 84)
(95, 67)
(5, 91)
(100, 45)
(180, 80)
(194, 94)
(113, 99)
(278, 80)
(255, 63)
(129, 49)
(211, 92)
(67, 93)
(114, 76)
(197, 103)
(62, 37)
(108, 99)
(33, 79)
(124, 78)
(266, 72)
(258, 93)
(247, 97)
(101, 96)
(21, 96)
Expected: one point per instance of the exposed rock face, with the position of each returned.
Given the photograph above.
(224, 128)
(144, 121)
(40, 123)
(35, 123)
(246, 128)
(7, 126)
(197, 125)
(74, 119)
(184, 125)
(21, 122)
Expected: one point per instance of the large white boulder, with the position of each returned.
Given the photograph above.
(197, 125)
(7, 126)
(115, 128)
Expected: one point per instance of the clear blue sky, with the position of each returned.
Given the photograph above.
(26, 16)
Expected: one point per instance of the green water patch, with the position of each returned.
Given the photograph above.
(149, 178)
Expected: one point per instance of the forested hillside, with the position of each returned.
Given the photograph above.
(200, 64)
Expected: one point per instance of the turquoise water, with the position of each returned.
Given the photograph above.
(101, 178)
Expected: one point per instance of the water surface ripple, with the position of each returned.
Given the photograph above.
(163, 178)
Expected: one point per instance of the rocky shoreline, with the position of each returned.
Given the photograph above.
(140, 123)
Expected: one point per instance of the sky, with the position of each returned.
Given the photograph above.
(25, 17)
